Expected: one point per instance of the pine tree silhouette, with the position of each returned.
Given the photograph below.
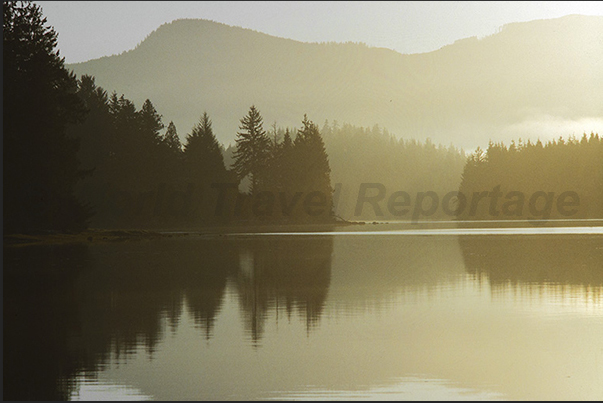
(253, 149)
(41, 167)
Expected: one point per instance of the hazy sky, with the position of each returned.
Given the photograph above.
(88, 30)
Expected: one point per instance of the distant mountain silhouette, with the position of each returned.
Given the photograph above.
(529, 77)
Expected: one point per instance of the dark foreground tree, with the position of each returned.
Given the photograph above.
(41, 167)
(204, 166)
(204, 163)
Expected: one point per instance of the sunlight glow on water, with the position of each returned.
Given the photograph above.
(452, 231)
(100, 391)
(412, 388)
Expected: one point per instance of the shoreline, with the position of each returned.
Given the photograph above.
(98, 235)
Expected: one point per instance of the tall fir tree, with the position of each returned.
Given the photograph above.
(312, 158)
(41, 167)
(312, 164)
(204, 162)
(172, 154)
(253, 149)
(204, 165)
(151, 148)
(172, 140)
(284, 165)
(150, 122)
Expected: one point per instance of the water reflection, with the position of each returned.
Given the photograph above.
(41, 320)
(283, 274)
(372, 271)
(537, 259)
(71, 309)
(560, 268)
(78, 309)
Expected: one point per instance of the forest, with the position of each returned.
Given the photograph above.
(77, 156)
(562, 179)
(143, 176)
(373, 155)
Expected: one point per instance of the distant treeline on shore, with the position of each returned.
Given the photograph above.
(558, 180)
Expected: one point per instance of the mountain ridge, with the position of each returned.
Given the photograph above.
(467, 92)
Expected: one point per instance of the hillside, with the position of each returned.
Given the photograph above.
(542, 77)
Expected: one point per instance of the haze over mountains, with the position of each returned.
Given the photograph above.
(535, 79)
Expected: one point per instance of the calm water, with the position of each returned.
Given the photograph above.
(433, 314)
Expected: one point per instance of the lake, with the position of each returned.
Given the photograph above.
(385, 311)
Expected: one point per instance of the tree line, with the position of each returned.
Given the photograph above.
(532, 180)
(143, 176)
(374, 155)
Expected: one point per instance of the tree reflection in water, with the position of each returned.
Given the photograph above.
(71, 308)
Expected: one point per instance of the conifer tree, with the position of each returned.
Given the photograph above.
(171, 139)
(204, 165)
(41, 167)
(95, 132)
(97, 147)
(286, 166)
(126, 162)
(204, 162)
(312, 156)
(151, 148)
(312, 163)
(172, 153)
(150, 123)
(253, 149)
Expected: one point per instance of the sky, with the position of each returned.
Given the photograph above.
(92, 29)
